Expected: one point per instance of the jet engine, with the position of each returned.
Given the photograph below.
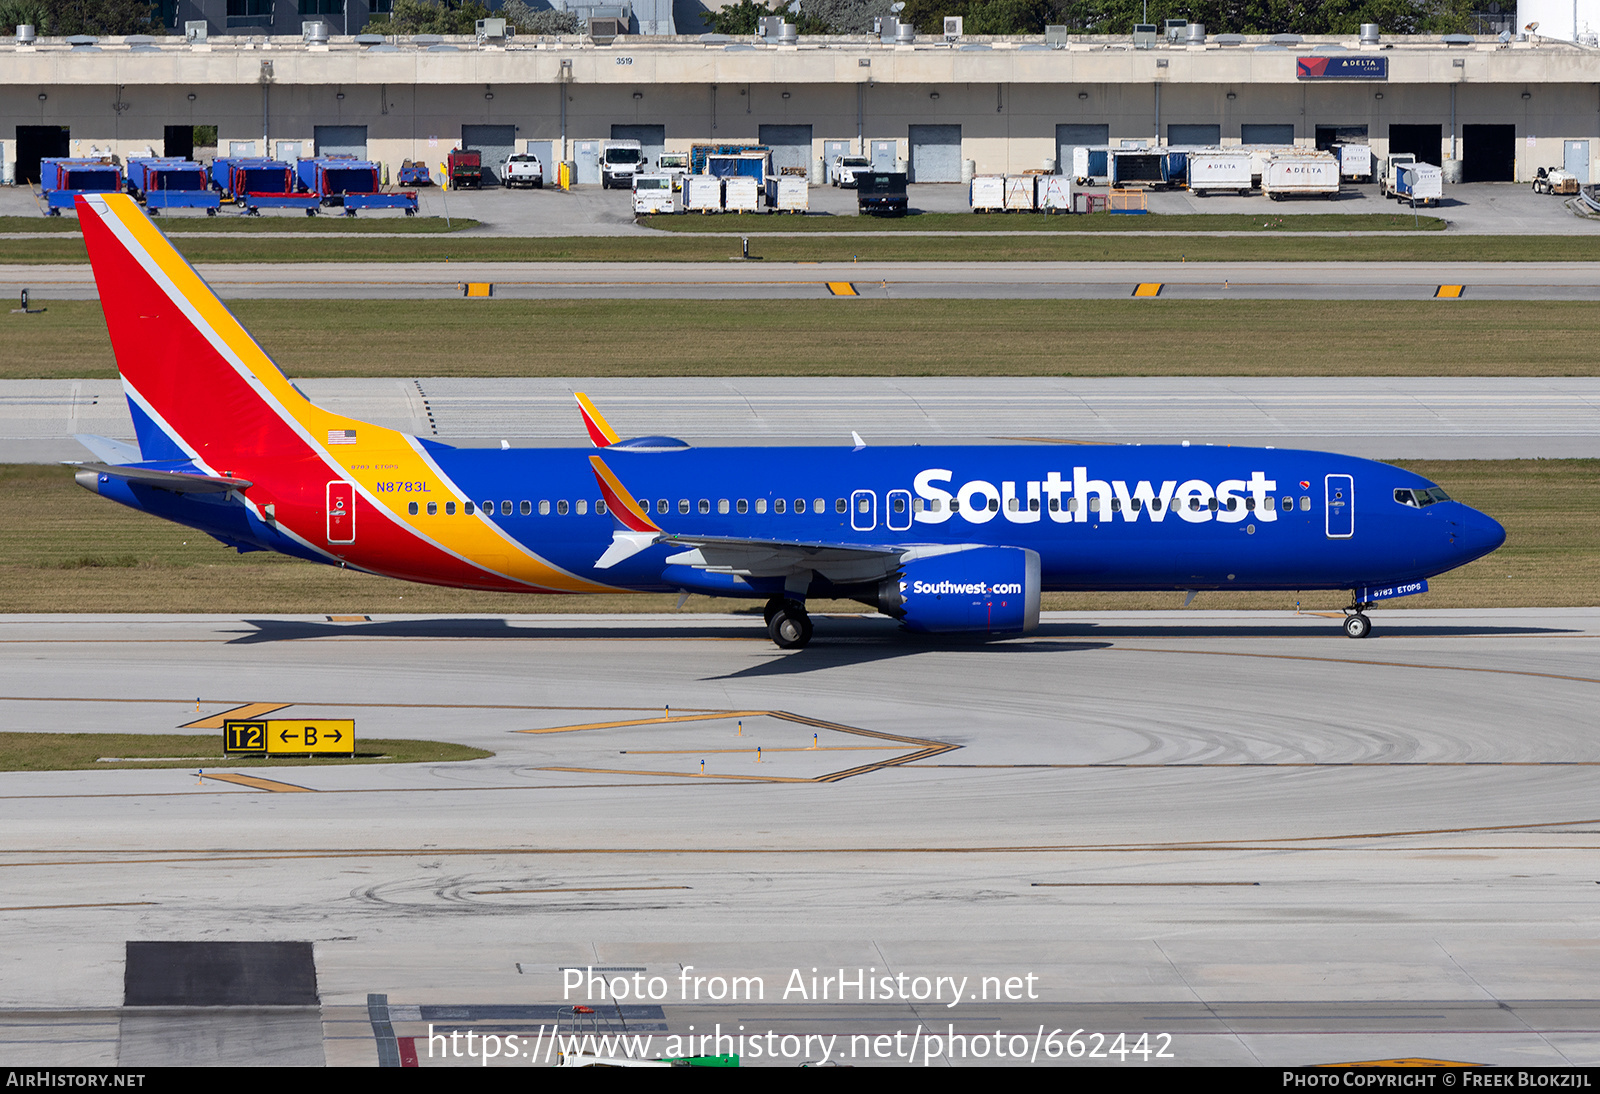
(985, 590)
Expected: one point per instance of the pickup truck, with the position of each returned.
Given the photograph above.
(524, 170)
(845, 168)
(881, 193)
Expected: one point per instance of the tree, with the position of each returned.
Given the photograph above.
(531, 20)
(738, 19)
(839, 16)
(430, 17)
(99, 17)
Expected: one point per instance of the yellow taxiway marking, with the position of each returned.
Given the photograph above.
(1449, 292)
(245, 713)
(480, 290)
(1403, 1061)
(1148, 288)
(349, 619)
(842, 288)
(260, 784)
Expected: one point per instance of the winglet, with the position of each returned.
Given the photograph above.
(619, 501)
(600, 431)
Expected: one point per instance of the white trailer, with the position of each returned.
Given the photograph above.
(988, 193)
(1213, 169)
(741, 195)
(1261, 153)
(788, 193)
(1055, 193)
(1313, 175)
(1019, 193)
(702, 193)
(1419, 183)
(653, 194)
(1355, 161)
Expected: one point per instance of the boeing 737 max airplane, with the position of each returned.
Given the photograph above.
(946, 539)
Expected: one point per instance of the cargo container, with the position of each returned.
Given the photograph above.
(1137, 167)
(741, 194)
(331, 177)
(988, 193)
(64, 179)
(702, 193)
(1355, 161)
(1175, 168)
(1090, 163)
(1419, 183)
(1261, 153)
(653, 194)
(1020, 193)
(1055, 193)
(1301, 175)
(788, 193)
(1217, 169)
(750, 165)
(701, 151)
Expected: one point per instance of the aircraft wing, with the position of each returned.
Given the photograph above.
(777, 558)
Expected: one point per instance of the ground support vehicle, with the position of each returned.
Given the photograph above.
(1055, 193)
(62, 180)
(1419, 183)
(465, 167)
(406, 201)
(653, 194)
(1215, 169)
(261, 176)
(255, 202)
(1137, 167)
(988, 194)
(1553, 180)
(1301, 175)
(844, 169)
(788, 193)
(701, 151)
(523, 170)
(414, 173)
(741, 194)
(1387, 179)
(881, 193)
(620, 161)
(675, 164)
(170, 183)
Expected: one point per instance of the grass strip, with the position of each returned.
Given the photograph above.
(63, 549)
(92, 751)
(876, 247)
(361, 338)
(755, 223)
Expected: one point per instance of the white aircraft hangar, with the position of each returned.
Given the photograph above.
(1500, 106)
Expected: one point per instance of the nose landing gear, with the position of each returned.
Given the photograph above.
(1356, 624)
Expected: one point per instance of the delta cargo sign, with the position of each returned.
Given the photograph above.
(1341, 68)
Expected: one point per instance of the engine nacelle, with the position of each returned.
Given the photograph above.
(992, 590)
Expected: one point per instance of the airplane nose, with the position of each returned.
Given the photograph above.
(1479, 535)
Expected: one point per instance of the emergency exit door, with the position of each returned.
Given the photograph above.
(1340, 506)
(341, 512)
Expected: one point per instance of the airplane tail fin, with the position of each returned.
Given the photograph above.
(600, 431)
(198, 385)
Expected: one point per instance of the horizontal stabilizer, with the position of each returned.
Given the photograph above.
(179, 482)
(624, 545)
(109, 451)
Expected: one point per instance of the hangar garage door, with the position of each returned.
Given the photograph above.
(494, 144)
(935, 153)
(1078, 135)
(342, 140)
(1488, 153)
(652, 139)
(1422, 141)
(1267, 134)
(790, 144)
(1203, 136)
(37, 142)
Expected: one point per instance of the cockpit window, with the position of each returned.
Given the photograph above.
(1420, 499)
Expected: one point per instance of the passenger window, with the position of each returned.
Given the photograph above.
(449, 508)
(1213, 505)
(1094, 504)
(1233, 504)
(899, 505)
(1072, 505)
(1155, 505)
(505, 509)
(705, 505)
(722, 505)
(1135, 504)
(863, 505)
(663, 506)
(742, 506)
(820, 506)
(683, 505)
(1194, 504)
(600, 506)
(526, 508)
(934, 505)
(433, 508)
(1288, 505)
(561, 508)
(1011, 505)
(466, 508)
(1116, 505)
(1305, 505)
(994, 505)
(544, 509)
(1055, 505)
(761, 505)
(799, 505)
(581, 506)
(1033, 505)
(839, 506)
(955, 505)
(412, 508)
(1250, 504)
(488, 508)
(777, 505)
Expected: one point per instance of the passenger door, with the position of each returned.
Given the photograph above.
(1340, 506)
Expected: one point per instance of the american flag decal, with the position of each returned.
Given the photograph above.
(341, 436)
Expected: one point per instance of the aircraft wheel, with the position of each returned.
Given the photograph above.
(772, 609)
(211, 212)
(1357, 625)
(790, 626)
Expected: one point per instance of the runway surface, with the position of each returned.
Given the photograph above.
(1240, 834)
(759, 280)
(1440, 418)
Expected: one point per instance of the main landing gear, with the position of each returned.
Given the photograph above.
(787, 623)
(1356, 624)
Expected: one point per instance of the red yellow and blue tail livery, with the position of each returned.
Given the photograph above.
(953, 539)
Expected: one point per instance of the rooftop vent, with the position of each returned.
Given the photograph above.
(1370, 33)
(315, 33)
(25, 34)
